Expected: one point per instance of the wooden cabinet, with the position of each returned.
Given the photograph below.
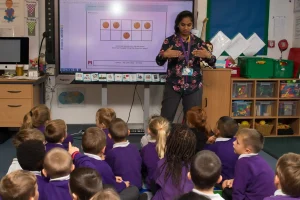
(17, 98)
(216, 94)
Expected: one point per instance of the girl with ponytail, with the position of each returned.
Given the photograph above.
(159, 129)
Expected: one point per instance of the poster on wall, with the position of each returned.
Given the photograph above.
(12, 15)
(70, 97)
(32, 28)
(31, 8)
(297, 6)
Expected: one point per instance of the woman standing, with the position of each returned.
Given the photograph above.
(183, 51)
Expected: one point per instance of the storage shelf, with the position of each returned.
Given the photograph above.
(275, 98)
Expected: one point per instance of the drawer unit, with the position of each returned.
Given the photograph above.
(15, 91)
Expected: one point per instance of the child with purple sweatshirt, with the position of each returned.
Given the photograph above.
(287, 178)
(253, 177)
(103, 118)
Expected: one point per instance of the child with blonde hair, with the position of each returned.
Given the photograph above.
(196, 119)
(287, 178)
(58, 166)
(55, 134)
(37, 118)
(158, 129)
(103, 118)
(106, 194)
(19, 138)
(19, 185)
(147, 137)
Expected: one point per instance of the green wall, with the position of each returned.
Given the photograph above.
(280, 145)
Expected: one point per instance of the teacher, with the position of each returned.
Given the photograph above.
(183, 51)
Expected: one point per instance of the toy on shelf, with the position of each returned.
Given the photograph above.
(241, 108)
(42, 63)
(264, 128)
(242, 90)
(265, 89)
(284, 129)
(244, 124)
(290, 89)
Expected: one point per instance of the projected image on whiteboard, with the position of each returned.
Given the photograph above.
(127, 38)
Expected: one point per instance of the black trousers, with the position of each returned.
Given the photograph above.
(171, 100)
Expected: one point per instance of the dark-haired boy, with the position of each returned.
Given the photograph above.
(30, 155)
(124, 158)
(205, 172)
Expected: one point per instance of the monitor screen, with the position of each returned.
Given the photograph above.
(115, 36)
(10, 51)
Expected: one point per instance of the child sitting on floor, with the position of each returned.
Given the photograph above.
(55, 134)
(19, 138)
(171, 173)
(31, 155)
(225, 132)
(124, 158)
(253, 177)
(103, 118)
(58, 165)
(106, 194)
(19, 185)
(287, 179)
(84, 183)
(205, 172)
(158, 129)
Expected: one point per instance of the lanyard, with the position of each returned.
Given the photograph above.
(186, 54)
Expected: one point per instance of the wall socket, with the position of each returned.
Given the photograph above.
(50, 69)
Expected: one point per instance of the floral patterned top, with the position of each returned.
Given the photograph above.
(181, 83)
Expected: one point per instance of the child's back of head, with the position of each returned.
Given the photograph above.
(205, 170)
(36, 117)
(159, 129)
(93, 141)
(19, 185)
(180, 148)
(56, 131)
(104, 116)
(227, 127)
(250, 140)
(84, 183)
(192, 196)
(106, 194)
(57, 163)
(118, 130)
(196, 117)
(288, 174)
(31, 155)
(27, 134)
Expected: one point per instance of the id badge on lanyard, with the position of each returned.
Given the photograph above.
(186, 71)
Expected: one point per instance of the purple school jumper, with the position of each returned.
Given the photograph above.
(58, 190)
(42, 183)
(95, 162)
(109, 141)
(149, 160)
(279, 195)
(253, 178)
(223, 148)
(50, 146)
(167, 190)
(66, 141)
(125, 161)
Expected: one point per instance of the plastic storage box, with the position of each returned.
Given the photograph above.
(265, 108)
(289, 90)
(265, 89)
(283, 69)
(241, 108)
(256, 67)
(287, 108)
(242, 89)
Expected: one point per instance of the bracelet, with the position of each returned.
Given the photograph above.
(74, 154)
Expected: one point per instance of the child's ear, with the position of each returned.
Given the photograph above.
(189, 176)
(277, 182)
(128, 132)
(74, 196)
(109, 135)
(44, 172)
(103, 150)
(73, 167)
(220, 179)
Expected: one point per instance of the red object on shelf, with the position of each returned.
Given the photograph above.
(235, 71)
(294, 55)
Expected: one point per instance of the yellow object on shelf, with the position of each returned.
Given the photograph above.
(262, 122)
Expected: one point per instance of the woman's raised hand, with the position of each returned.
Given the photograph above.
(169, 53)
